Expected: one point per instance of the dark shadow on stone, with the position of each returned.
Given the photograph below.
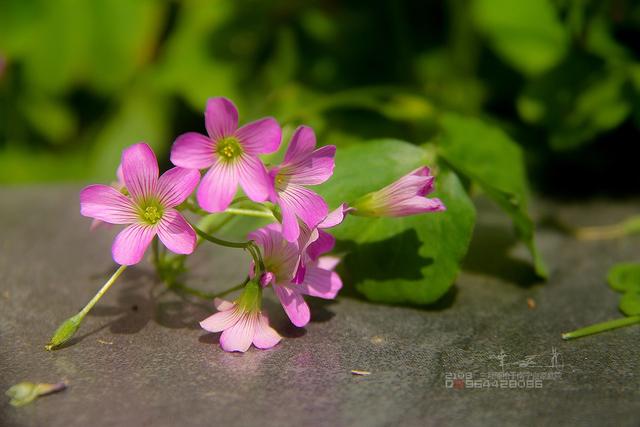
(320, 309)
(489, 254)
(210, 338)
(142, 298)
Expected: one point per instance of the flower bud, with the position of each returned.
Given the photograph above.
(404, 197)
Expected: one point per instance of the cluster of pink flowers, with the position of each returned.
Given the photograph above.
(293, 250)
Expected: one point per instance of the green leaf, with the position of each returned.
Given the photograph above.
(625, 277)
(490, 158)
(630, 303)
(399, 260)
(528, 35)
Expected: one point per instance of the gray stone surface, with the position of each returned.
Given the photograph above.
(140, 359)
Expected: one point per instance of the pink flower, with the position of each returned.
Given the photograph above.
(149, 208)
(242, 322)
(281, 258)
(231, 154)
(302, 166)
(404, 197)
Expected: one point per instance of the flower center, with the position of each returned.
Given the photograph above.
(151, 213)
(229, 148)
(281, 181)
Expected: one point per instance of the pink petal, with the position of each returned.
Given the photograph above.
(140, 170)
(222, 305)
(307, 205)
(176, 233)
(131, 243)
(290, 226)
(428, 186)
(260, 137)
(335, 217)
(220, 118)
(265, 336)
(294, 305)
(175, 185)
(321, 283)
(328, 262)
(218, 187)
(253, 178)
(323, 244)
(415, 205)
(107, 204)
(313, 169)
(239, 336)
(302, 143)
(220, 321)
(193, 150)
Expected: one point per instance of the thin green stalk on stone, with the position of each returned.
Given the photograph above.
(601, 327)
(69, 327)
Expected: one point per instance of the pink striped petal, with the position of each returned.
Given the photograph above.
(290, 226)
(176, 233)
(131, 243)
(313, 169)
(415, 205)
(323, 244)
(254, 178)
(218, 187)
(107, 204)
(239, 336)
(302, 144)
(307, 205)
(220, 118)
(260, 137)
(321, 283)
(175, 185)
(428, 185)
(140, 170)
(265, 336)
(220, 321)
(294, 305)
(193, 150)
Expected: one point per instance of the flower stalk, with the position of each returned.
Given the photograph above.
(69, 327)
(601, 327)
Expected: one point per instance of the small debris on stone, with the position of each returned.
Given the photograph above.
(531, 303)
(360, 373)
(105, 342)
(26, 392)
(377, 340)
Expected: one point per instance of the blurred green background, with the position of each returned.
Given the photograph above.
(80, 80)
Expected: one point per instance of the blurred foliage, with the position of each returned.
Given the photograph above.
(80, 80)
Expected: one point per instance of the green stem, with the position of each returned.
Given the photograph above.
(601, 327)
(221, 242)
(249, 212)
(102, 290)
(69, 327)
(205, 295)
